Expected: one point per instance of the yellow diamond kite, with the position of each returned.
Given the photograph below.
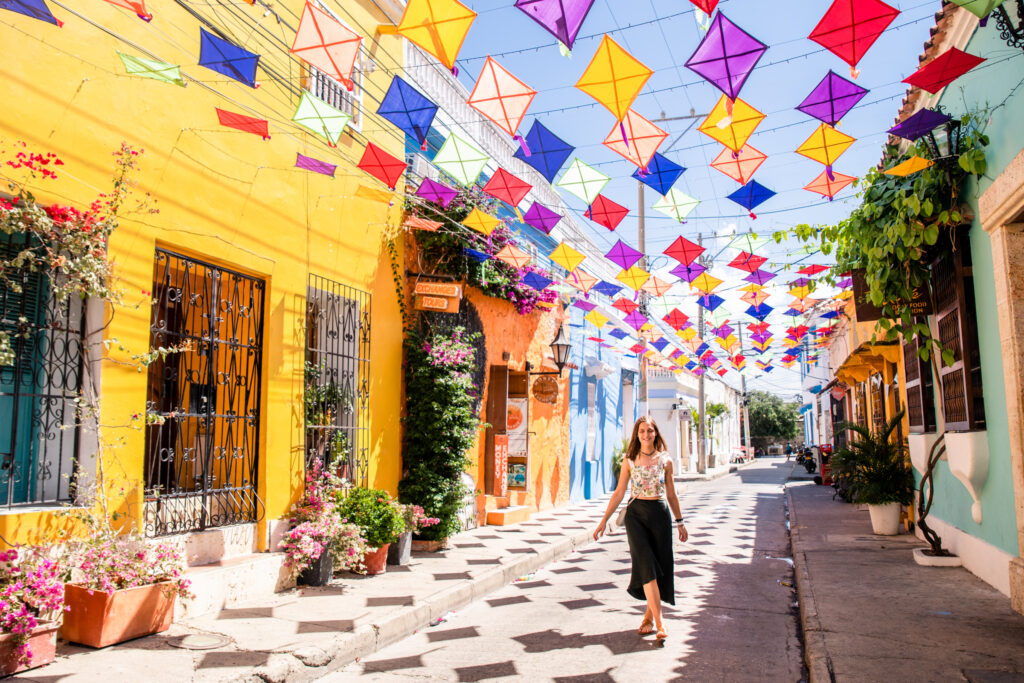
(614, 77)
(911, 165)
(566, 256)
(480, 221)
(596, 319)
(825, 145)
(731, 129)
(705, 283)
(634, 278)
(437, 26)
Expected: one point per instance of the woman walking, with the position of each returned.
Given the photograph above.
(647, 466)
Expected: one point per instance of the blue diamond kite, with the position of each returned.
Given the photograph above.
(662, 173)
(227, 58)
(547, 151)
(408, 109)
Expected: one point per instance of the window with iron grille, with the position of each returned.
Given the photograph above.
(861, 395)
(838, 416)
(878, 416)
(337, 94)
(920, 396)
(40, 437)
(337, 378)
(962, 400)
(204, 399)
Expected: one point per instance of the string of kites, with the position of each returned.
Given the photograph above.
(725, 57)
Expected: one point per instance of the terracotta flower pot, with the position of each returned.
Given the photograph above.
(97, 619)
(376, 560)
(419, 545)
(42, 642)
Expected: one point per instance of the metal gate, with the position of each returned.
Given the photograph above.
(203, 407)
(336, 392)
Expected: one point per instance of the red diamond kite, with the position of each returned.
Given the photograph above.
(506, 187)
(747, 261)
(850, 27)
(684, 251)
(381, 165)
(943, 70)
(246, 124)
(606, 212)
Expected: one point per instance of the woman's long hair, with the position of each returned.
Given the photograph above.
(633, 449)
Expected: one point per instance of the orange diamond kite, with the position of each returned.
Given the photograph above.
(740, 167)
(828, 187)
(643, 139)
(324, 42)
(500, 96)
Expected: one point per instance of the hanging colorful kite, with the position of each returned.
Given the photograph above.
(151, 68)
(640, 142)
(461, 159)
(676, 204)
(661, 173)
(911, 165)
(320, 118)
(687, 273)
(705, 283)
(829, 187)
(437, 26)
(325, 43)
(536, 281)
(919, 124)
(710, 301)
(566, 256)
(506, 187)
(813, 269)
(137, 6)
(633, 277)
(408, 109)
(748, 262)
(759, 277)
(676, 319)
(739, 166)
(614, 78)
(381, 165)
(315, 165)
(583, 181)
(731, 126)
(501, 97)
(421, 223)
(560, 18)
(825, 145)
(581, 280)
(434, 191)
(517, 258)
(655, 286)
(607, 288)
(832, 99)
(979, 8)
(943, 70)
(623, 255)
(850, 27)
(683, 250)
(752, 195)
(246, 124)
(481, 222)
(547, 151)
(227, 58)
(541, 217)
(604, 211)
(726, 56)
(36, 9)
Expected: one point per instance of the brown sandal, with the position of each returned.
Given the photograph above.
(661, 635)
(646, 627)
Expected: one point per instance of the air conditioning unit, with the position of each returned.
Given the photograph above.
(597, 369)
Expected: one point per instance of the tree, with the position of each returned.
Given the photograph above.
(771, 417)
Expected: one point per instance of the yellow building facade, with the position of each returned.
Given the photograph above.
(253, 270)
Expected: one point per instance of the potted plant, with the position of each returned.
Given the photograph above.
(121, 587)
(878, 473)
(380, 520)
(414, 518)
(31, 600)
(318, 541)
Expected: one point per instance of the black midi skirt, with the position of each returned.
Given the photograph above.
(649, 532)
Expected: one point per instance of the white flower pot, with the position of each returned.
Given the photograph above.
(885, 519)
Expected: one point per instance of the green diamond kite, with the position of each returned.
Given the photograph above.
(676, 204)
(150, 68)
(979, 8)
(460, 159)
(321, 118)
(583, 181)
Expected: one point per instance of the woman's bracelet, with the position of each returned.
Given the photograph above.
(680, 521)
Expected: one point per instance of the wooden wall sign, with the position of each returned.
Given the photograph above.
(545, 389)
(920, 303)
(437, 296)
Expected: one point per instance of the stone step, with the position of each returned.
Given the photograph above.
(233, 581)
(512, 514)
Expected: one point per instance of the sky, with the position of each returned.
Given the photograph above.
(663, 34)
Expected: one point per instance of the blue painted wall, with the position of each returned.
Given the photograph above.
(590, 475)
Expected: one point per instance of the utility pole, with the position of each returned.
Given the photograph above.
(746, 402)
(643, 295)
(702, 464)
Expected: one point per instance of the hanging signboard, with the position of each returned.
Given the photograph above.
(443, 297)
(919, 304)
(545, 389)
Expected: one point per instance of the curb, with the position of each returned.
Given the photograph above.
(816, 657)
(368, 638)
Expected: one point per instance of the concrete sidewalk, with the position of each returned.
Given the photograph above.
(302, 634)
(870, 613)
(712, 472)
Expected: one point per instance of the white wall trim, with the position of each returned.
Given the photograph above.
(981, 558)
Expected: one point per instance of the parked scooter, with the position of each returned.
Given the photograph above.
(807, 460)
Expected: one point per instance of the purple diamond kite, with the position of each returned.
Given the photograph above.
(311, 164)
(724, 331)
(843, 284)
(636, 320)
(699, 371)
(584, 305)
(436, 192)
(688, 272)
(36, 9)
(726, 56)
(541, 217)
(709, 361)
(560, 18)
(762, 337)
(801, 282)
(759, 277)
(832, 99)
(623, 255)
(924, 121)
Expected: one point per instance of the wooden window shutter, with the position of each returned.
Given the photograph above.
(497, 400)
(963, 405)
(919, 385)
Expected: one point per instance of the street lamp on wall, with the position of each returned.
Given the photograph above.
(559, 349)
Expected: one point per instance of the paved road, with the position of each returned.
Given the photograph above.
(734, 618)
